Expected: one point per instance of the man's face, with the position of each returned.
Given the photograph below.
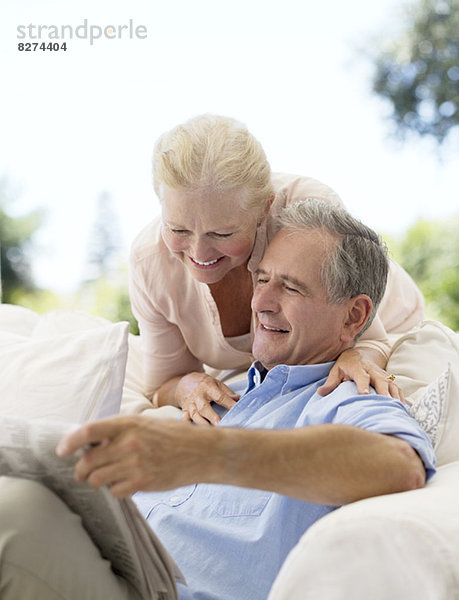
(295, 324)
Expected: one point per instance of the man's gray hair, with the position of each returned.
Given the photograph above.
(359, 263)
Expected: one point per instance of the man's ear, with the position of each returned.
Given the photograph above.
(359, 310)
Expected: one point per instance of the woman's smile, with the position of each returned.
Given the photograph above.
(206, 264)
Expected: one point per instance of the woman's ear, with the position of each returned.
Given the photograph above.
(358, 313)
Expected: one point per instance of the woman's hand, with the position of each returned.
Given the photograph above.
(361, 366)
(195, 392)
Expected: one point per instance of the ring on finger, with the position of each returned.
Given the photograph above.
(391, 377)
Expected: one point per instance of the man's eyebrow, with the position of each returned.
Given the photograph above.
(288, 279)
(296, 282)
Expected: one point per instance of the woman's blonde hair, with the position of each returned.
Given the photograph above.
(213, 153)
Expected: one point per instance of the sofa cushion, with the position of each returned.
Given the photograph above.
(17, 319)
(426, 364)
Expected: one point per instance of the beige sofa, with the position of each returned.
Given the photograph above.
(396, 546)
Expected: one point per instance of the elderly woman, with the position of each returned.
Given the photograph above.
(192, 270)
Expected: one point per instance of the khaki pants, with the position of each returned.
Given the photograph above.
(45, 553)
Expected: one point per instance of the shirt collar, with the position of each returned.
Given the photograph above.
(298, 376)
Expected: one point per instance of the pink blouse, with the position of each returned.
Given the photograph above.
(179, 321)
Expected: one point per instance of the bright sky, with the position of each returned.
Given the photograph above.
(74, 124)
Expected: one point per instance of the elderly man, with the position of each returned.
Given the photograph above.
(286, 455)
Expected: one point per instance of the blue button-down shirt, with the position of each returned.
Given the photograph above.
(230, 542)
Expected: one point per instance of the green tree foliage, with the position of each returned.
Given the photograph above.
(429, 251)
(102, 297)
(104, 241)
(419, 72)
(15, 248)
(108, 297)
(104, 293)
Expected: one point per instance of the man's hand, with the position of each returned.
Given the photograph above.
(352, 365)
(131, 454)
(194, 394)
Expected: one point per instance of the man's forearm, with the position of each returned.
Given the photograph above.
(326, 464)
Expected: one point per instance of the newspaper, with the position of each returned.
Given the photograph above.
(116, 526)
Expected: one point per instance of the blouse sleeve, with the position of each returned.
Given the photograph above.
(290, 188)
(164, 351)
(402, 306)
(375, 338)
(401, 309)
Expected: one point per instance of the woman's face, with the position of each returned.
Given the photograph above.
(210, 232)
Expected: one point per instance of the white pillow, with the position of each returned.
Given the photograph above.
(429, 407)
(426, 364)
(57, 322)
(70, 369)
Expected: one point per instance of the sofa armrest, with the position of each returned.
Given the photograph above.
(396, 546)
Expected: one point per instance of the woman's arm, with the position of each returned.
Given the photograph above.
(402, 306)
(173, 376)
(164, 351)
(401, 309)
